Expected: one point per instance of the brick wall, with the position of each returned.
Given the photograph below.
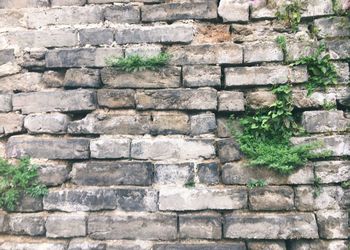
(116, 149)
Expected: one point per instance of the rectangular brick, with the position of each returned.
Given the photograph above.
(201, 76)
(189, 199)
(262, 52)
(324, 121)
(171, 122)
(137, 199)
(201, 246)
(168, 77)
(171, 148)
(174, 33)
(332, 171)
(173, 174)
(113, 226)
(220, 53)
(179, 11)
(234, 11)
(64, 101)
(47, 148)
(19, 244)
(110, 148)
(272, 198)
(96, 36)
(230, 101)
(5, 102)
(280, 226)
(27, 224)
(180, 99)
(122, 13)
(17, 4)
(65, 225)
(23, 82)
(83, 77)
(333, 27)
(319, 244)
(116, 98)
(10, 123)
(50, 123)
(6, 55)
(315, 100)
(67, 2)
(102, 173)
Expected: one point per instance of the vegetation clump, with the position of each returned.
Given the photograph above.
(18, 180)
(282, 43)
(136, 63)
(290, 14)
(254, 183)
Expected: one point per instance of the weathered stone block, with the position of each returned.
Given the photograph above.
(319, 244)
(220, 53)
(203, 123)
(330, 198)
(137, 200)
(144, 50)
(110, 148)
(25, 82)
(88, 78)
(64, 101)
(10, 123)
(172, 122)
(196, 246)
(318, 8)
(178, 11)
(343, 73)
(333, 224)
(175, 33)
(26, 203)
(268, 245)
(65, 225)
(52, 174)
(332, 171)
(228, 150)
(96, 36)
(262, 52)
(201, 76)
(113, 226)
(171, 148)
(88, 199)
(200, 226)
(333, 27)
(64, 16)
(53, 79)
(68, 2)
(260, 99)
(6, 55)
(230, 101)
(324, 121)
(26, 224)
(339, 49)
(239, 173)
(48, 148)
(17, 4)
(234, 11)
(315, 100)
(80, 57)
(122, 13)
(112, 122)
(9, 68)
(272, 198)
(5, 102)
(208, 173)
(173, 174)
(50, 123)
(116, 98)
(85, 244)
(33, 245)
(102, 173)
(161, 78)
(182, 99)
(183, 199)
(270, 226)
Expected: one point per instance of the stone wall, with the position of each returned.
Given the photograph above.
(117, 149)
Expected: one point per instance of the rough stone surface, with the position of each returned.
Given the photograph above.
(208, 173)
(5, 102)
(110, 148)
(203, 123)
(122, 13)
(201, 76)
(85, 78)
(333, 224)
(324, 121)
(260, 99)
(29, 81)
(137, 200)
(65, 225)
(332, 171)
(262, 52)
(208, 246)
(228, 150)
(183, 199)
(118, 226)
(104, 173)
(116, 98)
(27, 224)
(10, 123)
(270, 226)
(315, 100)
(173, 174)
(96, 36)
(268, 245)
(233, 11)
(172, 122)
(33, 246)
(53, 174)
(50, 123)
(45, 147)
(333, 27)
(319, 244)
(65, 101)
(230, 101)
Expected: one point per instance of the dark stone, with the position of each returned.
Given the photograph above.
(208, 173)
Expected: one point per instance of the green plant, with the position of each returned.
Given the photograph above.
(345, 184)
(135, 63)
(329, 105)
(190, 183)
(253, 183)
(321, 70)
(282, 42)
(18, 180)
(317, 187)
(290, 14)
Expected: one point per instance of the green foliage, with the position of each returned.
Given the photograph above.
(18, 180)
(290, 15)
(135, 63)
(329, 105)
(265, 139)
(321, 70)
(345, 184)
(254, 183)
(282, 42)
(317, 187)
(190, 183)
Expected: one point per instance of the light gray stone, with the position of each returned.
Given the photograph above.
(228, 150)
(272, 198)
(143, 50)
(96, 36)
(9, 68)
(324, 121)
(260, 99)
(5, 102)
(333, 224)
(173, 174)
(85, 78)
(189, 199)
(64, 101)
(67, 2)
(113, 226)
(50, 123)
(65, 225)
(122, 13)
(315, 100)
(27, 224)
(53, 174)
(17, 4)
(230, 101)
(47, 147)
(171, 122)
(27, 203)
(201, 76)
(270, 226)
(110, 148)
(175, 33)
(102, 173)
(10, 123)
(332, 171)
(201, 246)
(171, 148)
(116, 98)
(234, 10)
(25, 82)
(318, 8)
(333, 27)
(137, 200)
(319, 244)
(262, 52)
(267, 245)
(53, 79)
(200, 226)
(181, 99)
(339, 48)
(161, 78)
(203, 123)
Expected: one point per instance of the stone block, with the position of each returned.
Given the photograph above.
(201, 76)
(85, 78)
(48, 123)
(272, 198)
(65, 225)
(110, 148)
